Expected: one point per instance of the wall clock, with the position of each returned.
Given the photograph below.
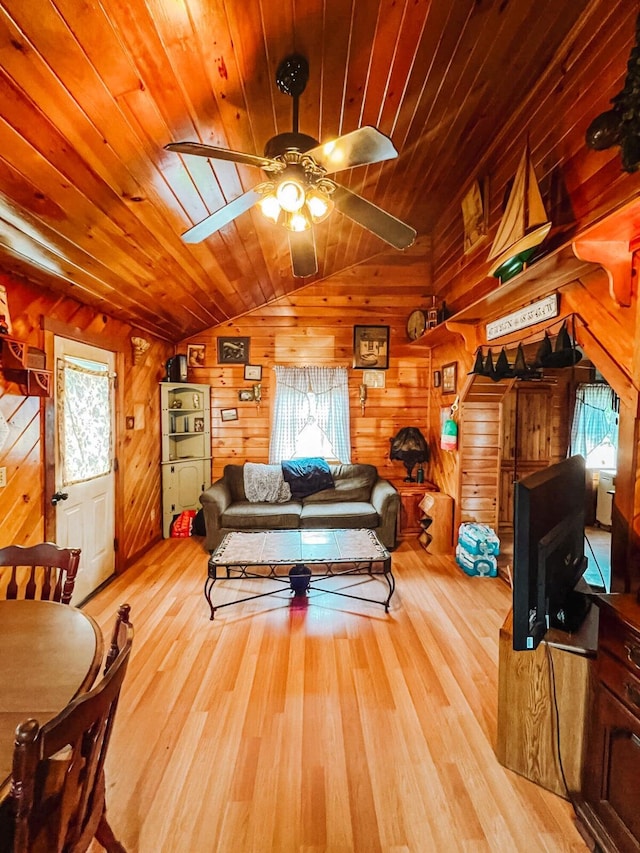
(416, 324)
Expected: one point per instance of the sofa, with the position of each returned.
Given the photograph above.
(359, 497)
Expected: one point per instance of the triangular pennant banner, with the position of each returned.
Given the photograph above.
(503, 368)
(478, 365)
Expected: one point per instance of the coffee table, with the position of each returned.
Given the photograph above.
(298, 559)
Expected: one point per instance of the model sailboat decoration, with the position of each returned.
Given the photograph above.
(524, 223)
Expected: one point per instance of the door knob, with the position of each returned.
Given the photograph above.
(59, 496)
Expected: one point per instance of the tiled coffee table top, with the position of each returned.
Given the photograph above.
(269, 547)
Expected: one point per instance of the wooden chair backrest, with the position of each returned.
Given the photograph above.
(57, 785)
(45, 571)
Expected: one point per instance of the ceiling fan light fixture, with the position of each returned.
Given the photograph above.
(319, 205)
(297, 221)
(270, 207)
(291, 195)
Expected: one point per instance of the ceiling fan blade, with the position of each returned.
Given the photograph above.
(358, 148)
(216, 153)
(221, 217)
(302, 246)
(378, 221)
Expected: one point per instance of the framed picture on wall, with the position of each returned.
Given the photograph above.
(233, 350)
(229, 414)
(253, 371)
(195, 355)
(374, 379)
(449, 377)
(474, 214)
(371, 347)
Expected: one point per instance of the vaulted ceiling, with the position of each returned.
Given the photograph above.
(92, 205)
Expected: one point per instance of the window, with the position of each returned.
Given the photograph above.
(84, 416)
(311, 414)
(594, 432)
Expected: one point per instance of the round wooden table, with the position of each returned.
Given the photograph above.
(49, 652)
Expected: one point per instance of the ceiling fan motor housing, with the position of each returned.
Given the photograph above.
(284, 142)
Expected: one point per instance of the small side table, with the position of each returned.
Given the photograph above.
(411, 494)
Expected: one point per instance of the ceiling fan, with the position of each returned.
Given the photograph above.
(298, 192)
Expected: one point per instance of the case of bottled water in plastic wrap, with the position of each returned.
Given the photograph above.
(477, 549)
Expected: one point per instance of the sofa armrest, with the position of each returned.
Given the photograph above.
(214, 502)
(386, 502)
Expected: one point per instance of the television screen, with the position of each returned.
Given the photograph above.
(548, 553)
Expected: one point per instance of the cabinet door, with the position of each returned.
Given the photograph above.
(528, 432)
(182, 484)
(611, 781)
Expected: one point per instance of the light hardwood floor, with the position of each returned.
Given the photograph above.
(320, 729)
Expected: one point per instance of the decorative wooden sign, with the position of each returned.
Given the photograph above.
(537, 312)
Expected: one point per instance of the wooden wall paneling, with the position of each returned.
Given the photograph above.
(443, 468)
(389, 67)
(315, 326)
(91, 94)
(460, 279)
(81, 131)
(562, 406)
(21, 498)
(590, 61)
(455, 100)
(612, 325)
(141, 493)
(507, 458)
(24, 502)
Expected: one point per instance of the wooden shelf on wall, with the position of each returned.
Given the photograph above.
(21, 364)
(546, 276)
(606, 248)
(439, 334)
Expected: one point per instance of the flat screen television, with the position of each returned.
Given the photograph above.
(548, 552)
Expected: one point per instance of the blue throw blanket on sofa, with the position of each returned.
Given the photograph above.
(307, 476)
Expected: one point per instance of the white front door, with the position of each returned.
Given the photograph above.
(84, 477)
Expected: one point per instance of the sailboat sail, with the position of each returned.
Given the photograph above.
(524, 224)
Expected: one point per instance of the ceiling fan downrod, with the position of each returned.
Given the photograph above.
(292, 76)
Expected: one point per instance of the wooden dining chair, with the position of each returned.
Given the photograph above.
(44, 571)
(58, 783)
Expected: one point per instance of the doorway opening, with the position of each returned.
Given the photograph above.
(543, 422)
(594, 434)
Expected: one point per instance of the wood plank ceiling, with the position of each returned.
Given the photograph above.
(91, 91)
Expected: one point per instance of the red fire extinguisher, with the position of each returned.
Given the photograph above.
(449, 435)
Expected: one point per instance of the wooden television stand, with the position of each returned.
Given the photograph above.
(527, 736)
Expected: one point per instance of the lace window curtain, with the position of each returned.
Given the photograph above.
(310, 397)
(595, 419)
(85, 443)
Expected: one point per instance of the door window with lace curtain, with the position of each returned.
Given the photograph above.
(84, 419)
